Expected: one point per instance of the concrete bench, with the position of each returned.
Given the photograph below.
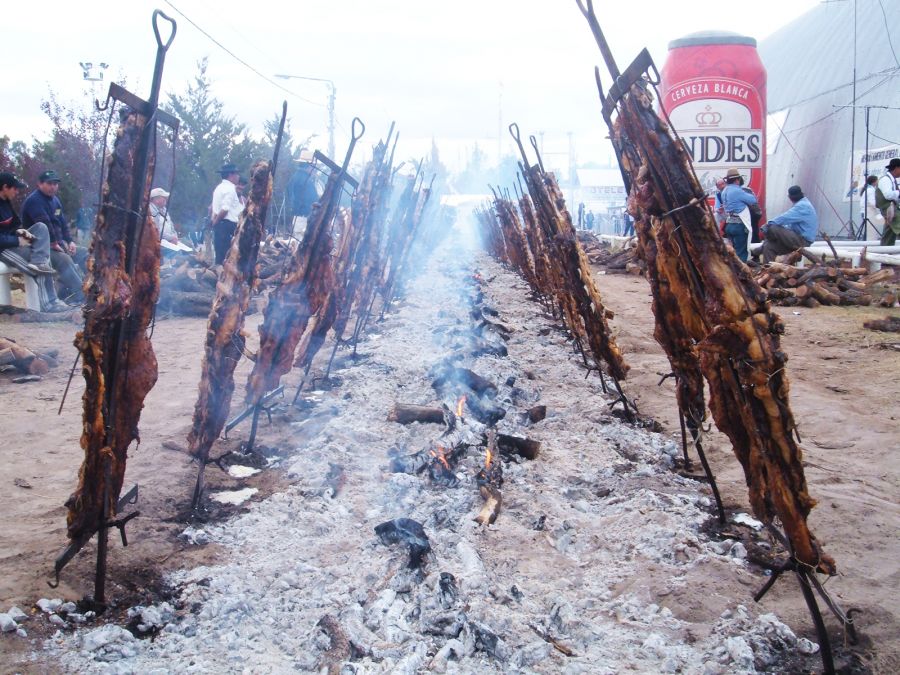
(32, 295)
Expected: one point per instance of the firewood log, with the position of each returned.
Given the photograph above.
(492, 502)
(406, 413)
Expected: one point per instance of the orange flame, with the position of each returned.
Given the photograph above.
(459, 406)
(488, 458)
(439, 456)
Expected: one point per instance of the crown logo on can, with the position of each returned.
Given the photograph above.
(708, 118)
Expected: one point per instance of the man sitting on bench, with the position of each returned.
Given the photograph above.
(26, 250)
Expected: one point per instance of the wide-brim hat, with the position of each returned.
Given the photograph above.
(228, 169)
(893, 164)
(306, 155)
(732, 173)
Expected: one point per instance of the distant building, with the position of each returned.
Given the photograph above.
(603, 192)
(810, 71)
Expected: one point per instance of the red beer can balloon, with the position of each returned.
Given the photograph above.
(714, 92)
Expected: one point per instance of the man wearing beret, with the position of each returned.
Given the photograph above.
(43, 206)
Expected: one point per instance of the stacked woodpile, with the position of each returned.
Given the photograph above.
(16, 356)
(826, 283)
(621, 260)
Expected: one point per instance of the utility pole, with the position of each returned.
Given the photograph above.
(332, 94)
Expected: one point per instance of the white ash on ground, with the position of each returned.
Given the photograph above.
(597, 563)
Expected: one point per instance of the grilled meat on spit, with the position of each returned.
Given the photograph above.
(323, 320)
(719, 307)
(224, 331)
(581, 297)
(368, 210)
(409, 235)
(516, 245)
(118, 362)
(304, 289)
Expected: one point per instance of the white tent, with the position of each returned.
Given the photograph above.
(811, 78)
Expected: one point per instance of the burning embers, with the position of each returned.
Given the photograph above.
(490, 480)
(471, 406)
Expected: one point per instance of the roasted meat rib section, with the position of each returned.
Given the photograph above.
(118, 362)
(711, 314)
(224, 331)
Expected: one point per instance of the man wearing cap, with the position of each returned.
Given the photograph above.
(26, 250)
(43, 206)
(795, 228)
(737, 202)
(887, 200)
(226, 209)
(303, 192)
(159, 211)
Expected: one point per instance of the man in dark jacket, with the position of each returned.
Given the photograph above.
(304, 192)
(26, 250)
(43, 206)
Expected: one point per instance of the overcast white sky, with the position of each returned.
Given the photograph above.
(436, 67)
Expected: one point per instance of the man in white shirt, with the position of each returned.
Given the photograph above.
(226, 209)
(887, 198)
(869, 215)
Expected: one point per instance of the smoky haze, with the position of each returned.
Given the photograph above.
(456, 73)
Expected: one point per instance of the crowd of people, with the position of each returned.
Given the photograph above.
(40, 242)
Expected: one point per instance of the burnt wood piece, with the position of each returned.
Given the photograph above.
(537, 413)
(478, 384)
(407, 413)
(492, 503)
(406, 531)
(517, 445)
(888, 325)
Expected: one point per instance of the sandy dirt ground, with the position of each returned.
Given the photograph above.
(844, 395)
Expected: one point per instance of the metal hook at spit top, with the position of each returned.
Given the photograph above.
(514, 132)
(159, 41)
(534, 144)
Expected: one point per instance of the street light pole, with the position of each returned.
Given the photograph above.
(332, 93)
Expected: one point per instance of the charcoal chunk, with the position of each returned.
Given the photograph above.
(406, 531)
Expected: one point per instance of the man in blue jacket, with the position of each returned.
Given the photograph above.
(43, 206)
(795, 228)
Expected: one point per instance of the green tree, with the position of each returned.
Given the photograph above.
(207, 139)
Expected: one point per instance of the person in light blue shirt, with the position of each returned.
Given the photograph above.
(795, 228)
(736, 202)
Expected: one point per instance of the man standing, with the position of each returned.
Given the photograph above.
(887, 199)
(26, 250)
(43, 206)
(795, 228)
(737, 203)
(869, 215)
(226, 209)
